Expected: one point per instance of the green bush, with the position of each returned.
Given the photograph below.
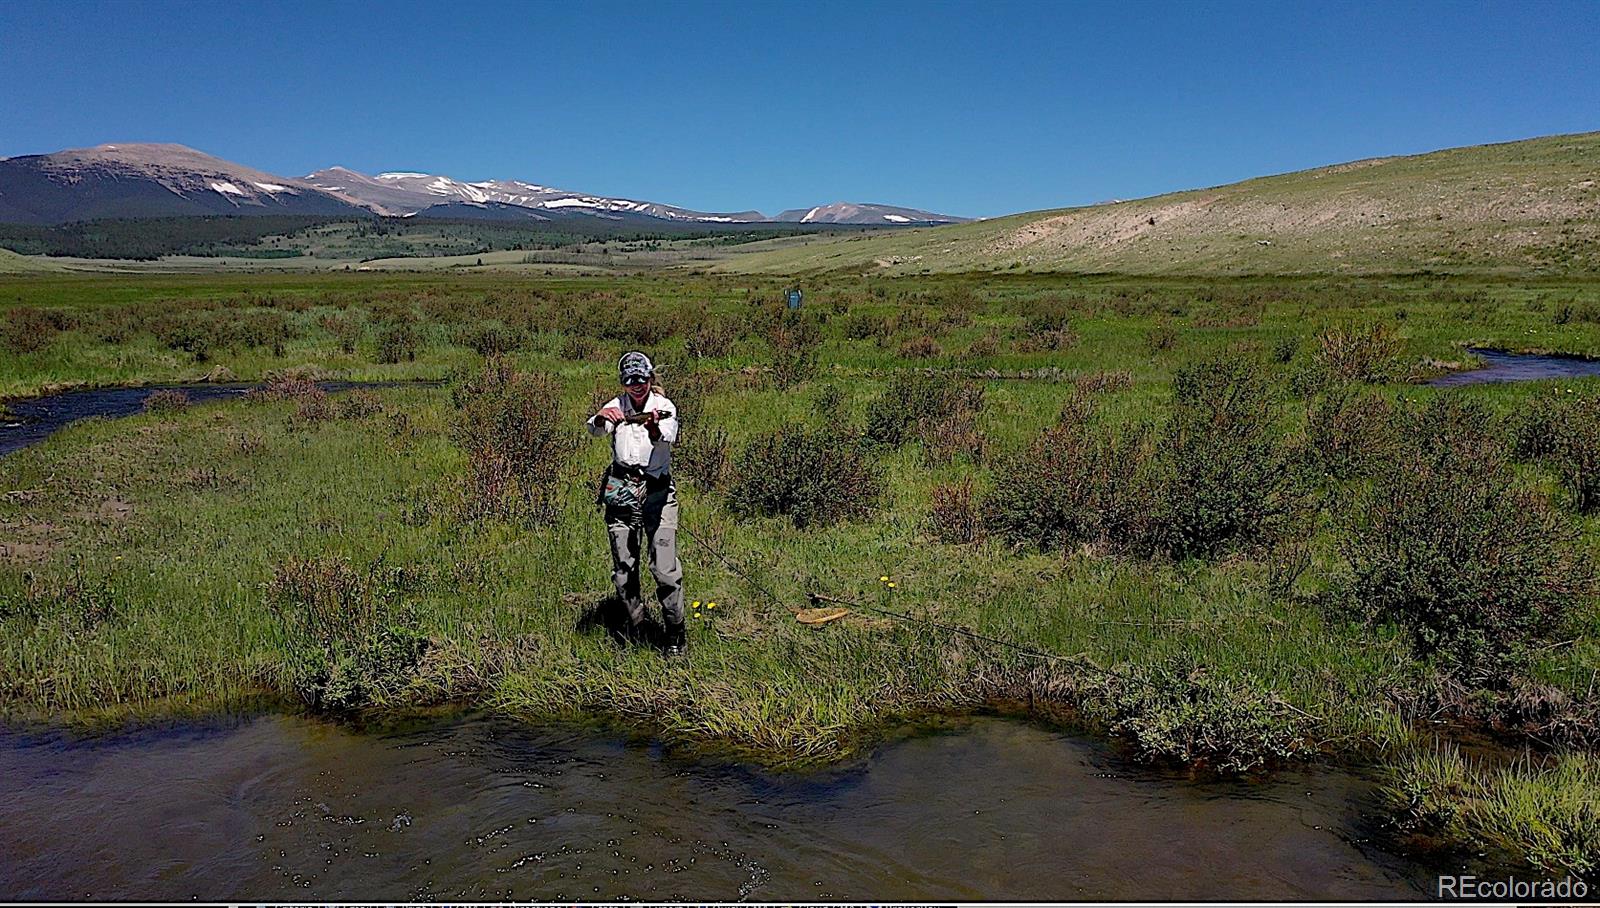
(1350, 434)
(399, 339)
(1450, 545)
(814, 476)
(1074, 484)
(1225, 477)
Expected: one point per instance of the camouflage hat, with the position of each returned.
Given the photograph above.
(634, 365)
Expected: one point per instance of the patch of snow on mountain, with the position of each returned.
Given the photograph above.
(401, 175)
(227, 188)
(273, 187)
(810, 214)
(569, 203)
(898, 219)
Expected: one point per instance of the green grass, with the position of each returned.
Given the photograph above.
(141, 552)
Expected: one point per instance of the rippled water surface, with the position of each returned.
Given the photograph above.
(475, 809)
(1500, 366)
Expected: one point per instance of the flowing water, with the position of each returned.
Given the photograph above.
(284, 807)
(1500, 366)
(39, 418)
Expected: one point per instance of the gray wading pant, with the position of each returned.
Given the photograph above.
(660, 527)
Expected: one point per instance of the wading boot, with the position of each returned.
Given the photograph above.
(677, 641)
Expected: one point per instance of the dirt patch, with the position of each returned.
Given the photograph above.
(25, 543)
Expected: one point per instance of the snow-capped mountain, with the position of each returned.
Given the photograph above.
(404, 193)
(149, 180)
(863, 213)
(141, 180)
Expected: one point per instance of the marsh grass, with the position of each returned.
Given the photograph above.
(192, 613)
(1545, 812)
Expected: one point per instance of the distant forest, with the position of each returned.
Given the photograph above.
(151, 238)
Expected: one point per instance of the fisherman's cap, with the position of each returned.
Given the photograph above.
(634, 365)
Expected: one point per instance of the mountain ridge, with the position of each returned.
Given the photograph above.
(157, 179)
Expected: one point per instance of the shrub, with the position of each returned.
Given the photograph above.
(1160, 337)
(794, 339)
(398, 339)
(517, 443)
(916, 405)
(1074, 484)
(829, 402)
(1284, 348)
(983, 347)
(1096, 382)
(313, 406)
(27, 330)
(1451, 546)
(1224, 475)
(954, 517)
(1370, 354)
(710, 338)
(701, 456)
(358, 404)
(923, 347)
(490, 338)
(814, 476)
(1350, 434)
(1571, 447)
(349, 644)
(166, 400)
(346, 328)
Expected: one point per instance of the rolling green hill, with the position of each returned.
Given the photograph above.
(1533, 204)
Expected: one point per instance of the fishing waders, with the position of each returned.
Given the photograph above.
(651, 519)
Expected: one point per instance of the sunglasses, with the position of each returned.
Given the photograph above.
(636, 382)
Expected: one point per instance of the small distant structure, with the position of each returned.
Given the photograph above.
(795, 297)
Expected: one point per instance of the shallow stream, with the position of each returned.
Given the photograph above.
(282, 807)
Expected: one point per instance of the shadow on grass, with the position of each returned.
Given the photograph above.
(608, 615)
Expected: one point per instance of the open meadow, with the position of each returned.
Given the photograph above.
(1222, 520)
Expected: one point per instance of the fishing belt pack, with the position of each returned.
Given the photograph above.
(622, 491)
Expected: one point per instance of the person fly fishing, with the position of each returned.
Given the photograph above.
(640, 500)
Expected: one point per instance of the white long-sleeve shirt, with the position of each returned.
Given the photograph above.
(631, 445)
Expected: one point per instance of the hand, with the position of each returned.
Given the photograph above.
(652, 424)
(612, 413)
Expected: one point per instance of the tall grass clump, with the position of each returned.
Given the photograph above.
(1452, 546)
(1547, 814)
(349, 643)
(1187, 715)
(517, 442)
(813, 476)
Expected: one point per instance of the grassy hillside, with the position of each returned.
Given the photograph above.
(12, 263)
(1533, 204)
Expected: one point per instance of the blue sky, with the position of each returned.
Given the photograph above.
(966, 108)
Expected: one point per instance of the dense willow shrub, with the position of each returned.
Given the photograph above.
(1225, 473)
(1453, 547)
(813, 476)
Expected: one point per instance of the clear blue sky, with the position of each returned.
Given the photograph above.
(966, 108)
